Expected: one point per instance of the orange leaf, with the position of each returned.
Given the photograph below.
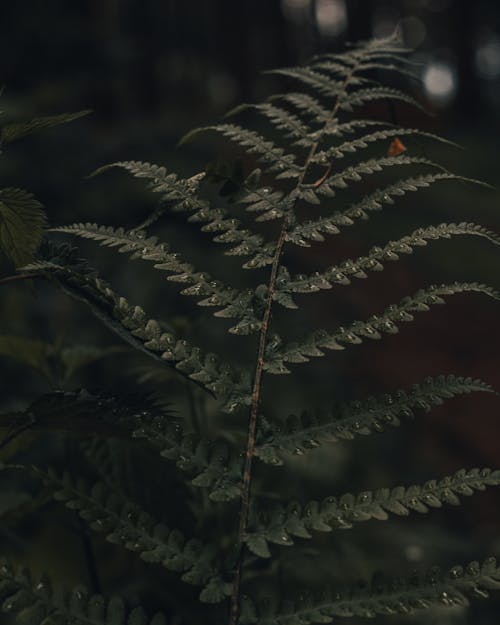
(396, 148)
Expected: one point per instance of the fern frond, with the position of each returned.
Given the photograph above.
(307, 104)
(372, 94)
(270, 203)
(280, 118)
(345, 66)
(298, 434)
(311, 109)
(131, 324)
(369, 66)
(384, 596)
(125, 523)
(182, 195)
(373, 261)
(354, 173)
(373, 328)
(280, 524)
(276, 158)
(36, 601)
(321, 84)
(214, 465)
(361, 143)
(313, 230)
(80, 412)
(233, 304)
(18, 130)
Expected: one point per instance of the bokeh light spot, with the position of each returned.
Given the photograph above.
(488, 58)
(440, 82)
(331, 17)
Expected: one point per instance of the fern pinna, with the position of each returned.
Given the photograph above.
(300, 187)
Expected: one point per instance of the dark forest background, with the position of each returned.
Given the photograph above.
(153, 69)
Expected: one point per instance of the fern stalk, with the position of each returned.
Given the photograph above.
(260, 365)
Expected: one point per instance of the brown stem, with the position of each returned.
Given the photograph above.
(321, 180)
(259, 370)
(19, 276)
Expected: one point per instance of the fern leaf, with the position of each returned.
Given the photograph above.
(307, 104)
(313, 230)
(22, 224)
(281, 524)
(373, 328)
(321, 84)
(270, 203)
(126, 524)
(82, 412)
(276, 158)
(365, 141)
(297, 435)
(213, 465)
(131, 324)
(384, 596)
(283, 120)
(373, 261)
(36, 601)
(354, 173)
(369, 66)
(181, 195)
(214, 293)
(11, 132)
(372, 94)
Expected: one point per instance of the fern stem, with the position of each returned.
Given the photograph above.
(259, 370)
(18, 277)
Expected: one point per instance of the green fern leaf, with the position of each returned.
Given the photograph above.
(35, 601)
(182, 195)
(283, 120)
(370, 66)
(276, 158)
(355, 173)
(126, 524)
(307, 104)
(373, 261)
(373, 328)
(131, 324)
(213, 465)
(372, 94)
(313, 230)
(22, 224)
(200, 284)
(361, 143)
(297, 435)
(322, 84)
(280, 524)
(434, 589)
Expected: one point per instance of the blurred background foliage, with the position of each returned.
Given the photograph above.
(153, 69)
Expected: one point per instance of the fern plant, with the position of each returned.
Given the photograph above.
(230, 543)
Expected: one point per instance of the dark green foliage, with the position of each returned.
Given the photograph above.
(280, 524)
(184, 452)
(358, 418)
(35, 601)
(399, 596)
